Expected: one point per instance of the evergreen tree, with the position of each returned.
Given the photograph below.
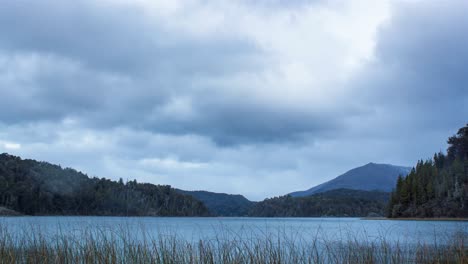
(437, 187)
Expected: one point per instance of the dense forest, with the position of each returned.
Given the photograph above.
(222, 204)
(436, 187)
(339, 202)
(39, 188)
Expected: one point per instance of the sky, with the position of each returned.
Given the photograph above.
(259, 98)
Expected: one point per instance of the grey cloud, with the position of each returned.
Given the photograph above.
(49, 89)
(121, 76)
(99, 36)
(239, 121)
(124, 78)
(427, 45)
(269, 4)
(120, 38)
(419, 79)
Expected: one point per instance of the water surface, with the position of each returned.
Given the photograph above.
(239, 228)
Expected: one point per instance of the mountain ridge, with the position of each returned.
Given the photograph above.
(369, 177)
(221, 204)
(40, 188)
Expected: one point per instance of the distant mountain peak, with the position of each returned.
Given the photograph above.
(375, 164)
(369, 177)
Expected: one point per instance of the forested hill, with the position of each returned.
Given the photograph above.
(222, 204)
(39, 188)
(437, 187)
(340, 202)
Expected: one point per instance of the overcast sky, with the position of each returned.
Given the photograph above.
(259, 98)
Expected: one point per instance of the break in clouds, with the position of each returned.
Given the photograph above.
(254, 98)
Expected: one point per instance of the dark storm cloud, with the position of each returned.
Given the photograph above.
(115, 38)
(416, 88)
(233, 122)
(113, 67)
(428, 47)
(39, 87)
(98, 36)
(97, 62)
(419, 79)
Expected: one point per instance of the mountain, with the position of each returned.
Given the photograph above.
(222, 204)
(372, 176)
(436, 187)
(39, 188)
(339, 202)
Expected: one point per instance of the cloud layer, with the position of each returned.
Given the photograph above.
(259, 99)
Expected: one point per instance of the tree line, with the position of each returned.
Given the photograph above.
(39, 188)
(336, 203)
(436, 187)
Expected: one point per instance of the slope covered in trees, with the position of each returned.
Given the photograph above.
(222, 204)
(436, 187)
(39, 188)
(340, 202)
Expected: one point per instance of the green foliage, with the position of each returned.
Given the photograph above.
(339, 202)
(40, 188)
(437, 187)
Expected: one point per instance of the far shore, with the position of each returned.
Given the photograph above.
(417, 219)
(5, 212)
(8, 212)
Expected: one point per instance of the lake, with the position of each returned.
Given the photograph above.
(194, 229)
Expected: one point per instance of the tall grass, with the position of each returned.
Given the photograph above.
(122, 245)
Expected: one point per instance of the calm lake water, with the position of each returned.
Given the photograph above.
(193, 229)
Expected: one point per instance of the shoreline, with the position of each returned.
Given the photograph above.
(16, 214)
(8, 212)
(418, 219)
